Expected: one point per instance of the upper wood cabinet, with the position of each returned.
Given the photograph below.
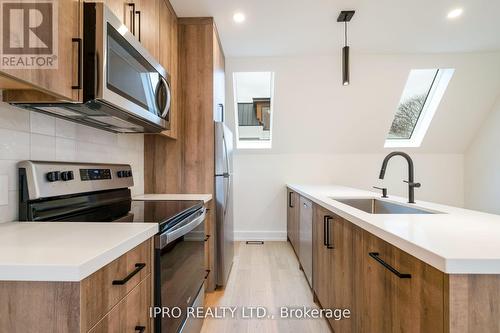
(293, 219)
(60, 82)
(169, 58)
(141, 18)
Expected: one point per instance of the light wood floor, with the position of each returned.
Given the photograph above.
(264, 275)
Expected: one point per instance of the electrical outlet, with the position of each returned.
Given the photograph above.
(4, 190)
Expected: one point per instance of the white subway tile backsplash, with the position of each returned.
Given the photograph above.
(66, 150)
(14, 118)
(14, 145)
(65, 129)
(43, 147)
(42, 124)
(8, 168)
(4, 190)
(28, 135)
(10, 212)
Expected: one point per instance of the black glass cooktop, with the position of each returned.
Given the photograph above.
(167, 213)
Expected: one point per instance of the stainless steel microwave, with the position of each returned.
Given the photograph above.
(125, 89)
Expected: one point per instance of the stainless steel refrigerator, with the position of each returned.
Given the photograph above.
(224, 202)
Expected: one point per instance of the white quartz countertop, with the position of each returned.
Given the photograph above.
(459, 241)
(65, 251)
(160, 197)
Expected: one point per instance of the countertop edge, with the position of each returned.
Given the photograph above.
(445, 265)
(77, 272)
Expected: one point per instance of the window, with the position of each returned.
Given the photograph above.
(253, 95)
(418, 104)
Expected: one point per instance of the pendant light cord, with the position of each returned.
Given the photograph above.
(345, 33)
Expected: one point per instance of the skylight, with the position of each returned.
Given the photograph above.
(419, 102)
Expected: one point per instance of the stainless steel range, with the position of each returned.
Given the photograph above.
(89, 192)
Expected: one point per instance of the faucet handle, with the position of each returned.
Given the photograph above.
(412, 184)
(384, 191)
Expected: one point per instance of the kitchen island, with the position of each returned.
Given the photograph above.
(437, 271)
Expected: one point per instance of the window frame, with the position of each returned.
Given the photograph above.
(253, 144)
(436, 92)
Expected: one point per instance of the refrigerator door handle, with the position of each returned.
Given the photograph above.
(227, 195)
(225, 154)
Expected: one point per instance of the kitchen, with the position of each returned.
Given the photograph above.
(237, 159)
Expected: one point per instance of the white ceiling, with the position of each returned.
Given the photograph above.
(309, 27)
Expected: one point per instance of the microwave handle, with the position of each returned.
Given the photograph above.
(164, 109)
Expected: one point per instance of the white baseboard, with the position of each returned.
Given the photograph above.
(260, 235)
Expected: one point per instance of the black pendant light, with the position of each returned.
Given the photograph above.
(345, 16)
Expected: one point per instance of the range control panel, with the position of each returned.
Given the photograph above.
(95, 174)
(48, 179)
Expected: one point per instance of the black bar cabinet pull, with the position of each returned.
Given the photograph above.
(325, 231)
(78, 42)
(290, 199)
(137, 269)
(140, 329)
(139, 14)
(207, 237)
(329, 245)
(132, 18)
(375, 255)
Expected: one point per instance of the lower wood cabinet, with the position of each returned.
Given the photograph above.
(386, 289)
(293, 219)
(129, 314)
(333, 265)
(396, 292)
(116, 298)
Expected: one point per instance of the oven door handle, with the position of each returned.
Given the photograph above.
(182, 229)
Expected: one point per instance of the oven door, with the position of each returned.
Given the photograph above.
(123, 73)
(180, 270)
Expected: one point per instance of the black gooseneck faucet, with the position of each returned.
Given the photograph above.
(410, 181)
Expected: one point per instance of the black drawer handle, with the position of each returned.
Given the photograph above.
(325, 230)
(137, 269)
(328, 244)
(290, 199)
(375, 255)
(140, 329)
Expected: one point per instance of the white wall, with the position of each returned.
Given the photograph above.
(482, 166)
(326, 133)
(28, 135)
(259, 183)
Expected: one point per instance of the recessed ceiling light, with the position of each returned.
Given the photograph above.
(455, 13)
(239, 17)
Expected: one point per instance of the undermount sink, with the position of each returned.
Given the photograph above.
(376, 206)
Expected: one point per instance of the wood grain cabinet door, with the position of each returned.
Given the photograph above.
(293, 219)
(341, 291)
(419, 300)
(169, 59)
(147, 25)
(131, 314)
(374, 284)
(62, 79)
(321, 257)
(141, 17)
(397, 292)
